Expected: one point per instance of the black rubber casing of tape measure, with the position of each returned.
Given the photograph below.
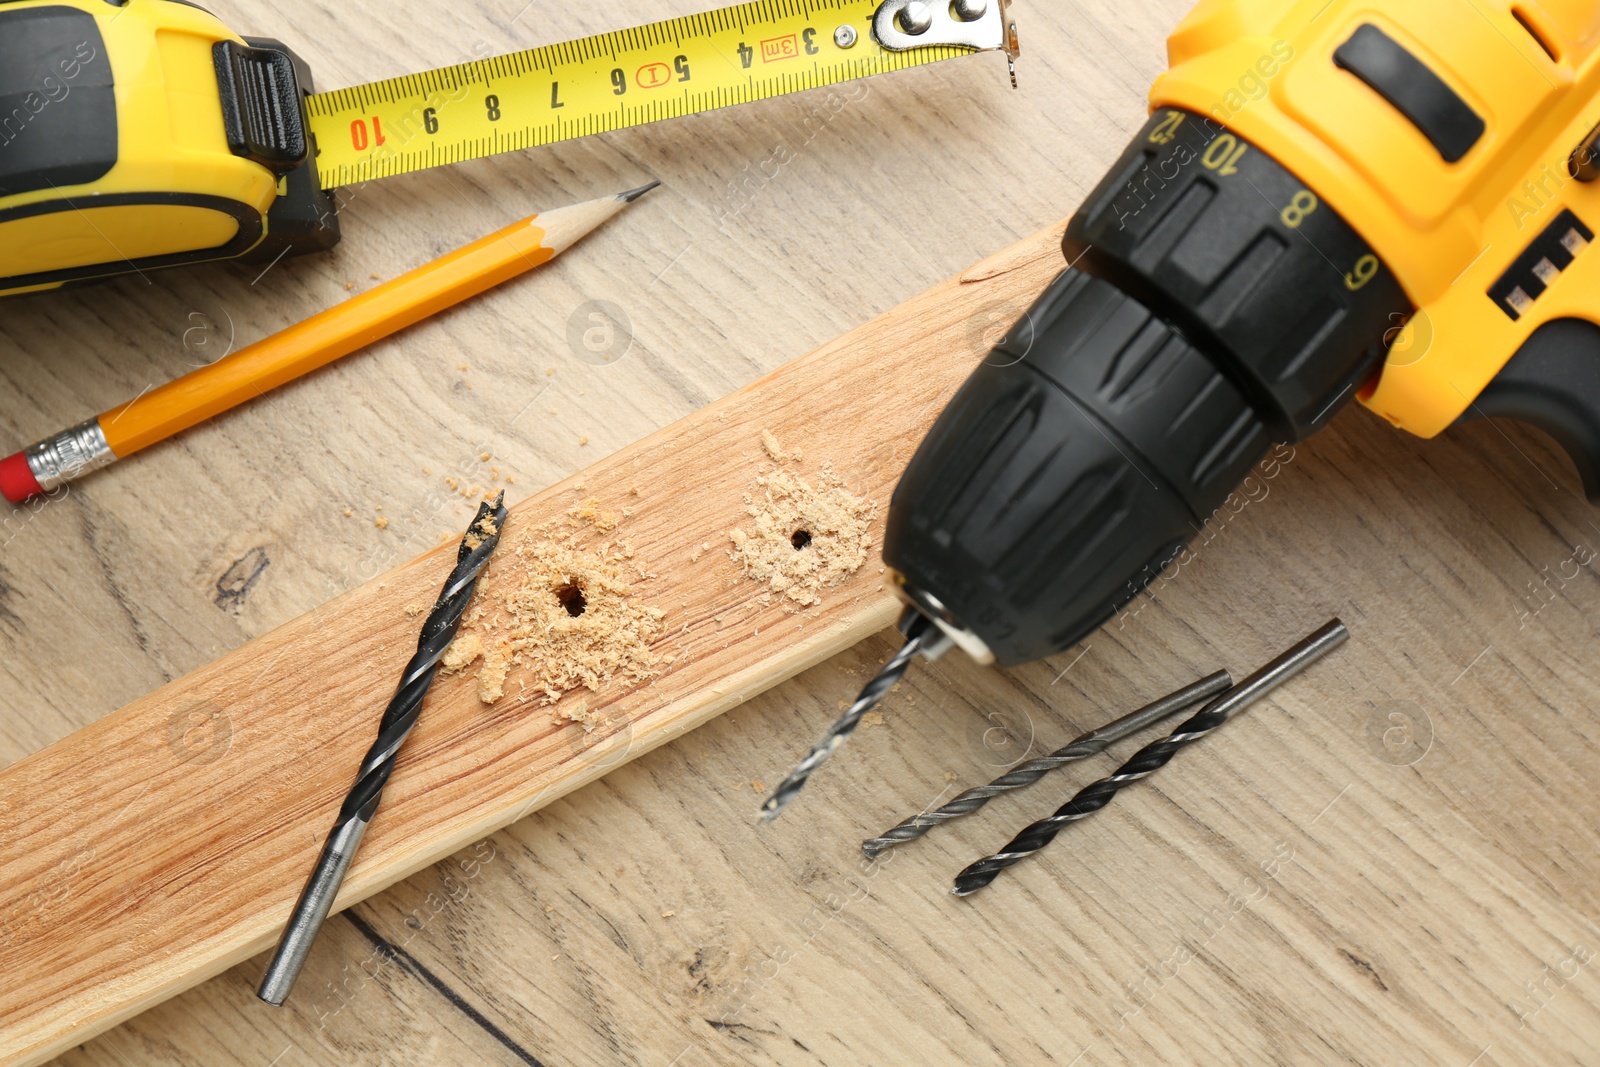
(1206, 315)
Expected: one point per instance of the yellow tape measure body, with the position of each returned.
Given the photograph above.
(609, 81)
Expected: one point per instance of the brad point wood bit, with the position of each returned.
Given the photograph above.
(438, 630)
(1025, 774)
(1153, 756)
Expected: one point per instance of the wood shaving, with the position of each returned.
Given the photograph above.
(873, 718)
(492, 676)
(805, 539)
(583, 716)
(590, 512)
(758, 785)
(669, 913)
(462, 651)
(414, 610)
(381, 522)
(769, 441)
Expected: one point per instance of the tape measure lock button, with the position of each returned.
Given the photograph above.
(263, 112)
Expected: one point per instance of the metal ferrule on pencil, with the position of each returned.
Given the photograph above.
(70, 454)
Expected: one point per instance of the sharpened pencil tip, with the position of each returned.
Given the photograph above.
(633, 194)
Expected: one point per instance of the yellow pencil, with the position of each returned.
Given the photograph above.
(302, 348)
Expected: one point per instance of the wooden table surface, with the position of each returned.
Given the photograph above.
(1391, 861)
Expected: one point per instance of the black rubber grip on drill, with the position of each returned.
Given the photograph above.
(1553, 383)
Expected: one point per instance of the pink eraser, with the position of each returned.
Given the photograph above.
(16, 479)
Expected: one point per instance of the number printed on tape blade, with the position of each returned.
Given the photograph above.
(606, 82)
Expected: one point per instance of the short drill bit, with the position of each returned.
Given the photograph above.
(842, 728)
(1025, 774)
(1153, 756)
(438, 630)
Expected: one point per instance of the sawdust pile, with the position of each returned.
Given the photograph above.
(804, 539)
(561, 614)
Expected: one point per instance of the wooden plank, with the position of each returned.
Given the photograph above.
(167, 841)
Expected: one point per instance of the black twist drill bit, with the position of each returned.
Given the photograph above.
(842, 728)
(1025, 774)
(1153, 756)
(438, 630)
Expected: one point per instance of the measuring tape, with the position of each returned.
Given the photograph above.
(611, 81)
(147, 134)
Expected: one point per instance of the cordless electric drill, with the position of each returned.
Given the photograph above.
(1330, 200)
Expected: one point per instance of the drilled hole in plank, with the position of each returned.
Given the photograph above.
(571, 597)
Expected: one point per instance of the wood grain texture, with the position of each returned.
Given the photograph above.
(1293, 891)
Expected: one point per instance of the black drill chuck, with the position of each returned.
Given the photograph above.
(1215, 305)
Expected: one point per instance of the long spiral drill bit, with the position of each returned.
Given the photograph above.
(1025, 774)
(438, 630)
(1153, 756)
(842, 728)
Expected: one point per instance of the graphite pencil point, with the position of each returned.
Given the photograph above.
(633, 194)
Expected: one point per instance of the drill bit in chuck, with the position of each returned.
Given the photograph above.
(1153, 756)
(438, 630)
(1025, 774)
(919, 638)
